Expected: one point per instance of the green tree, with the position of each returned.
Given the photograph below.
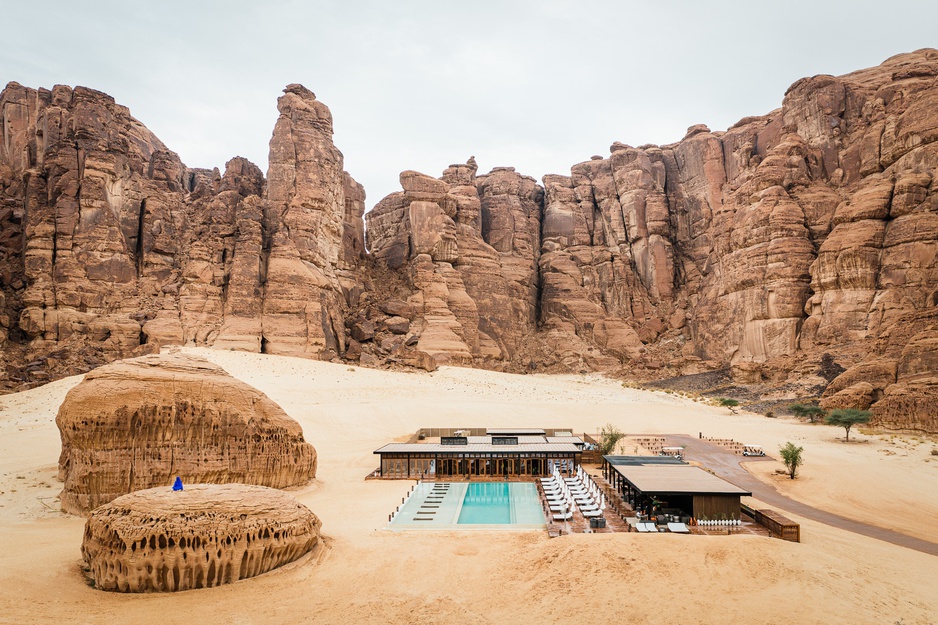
(609, 437)
(809, 411)
(847, 418)
(791, 456)
(729, 403)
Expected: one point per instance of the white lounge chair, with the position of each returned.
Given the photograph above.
(591, 513)
(563, 517)
(678, 528)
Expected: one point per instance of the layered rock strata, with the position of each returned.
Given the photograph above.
(809, 231)
(160, 540)
(112, 247)
(138, 423)
(467, 248)
(812, 230)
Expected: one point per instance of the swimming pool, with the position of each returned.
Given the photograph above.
(474, 505)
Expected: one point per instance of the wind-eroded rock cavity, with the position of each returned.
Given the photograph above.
(160, 540)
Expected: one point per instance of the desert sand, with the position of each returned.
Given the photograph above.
(370, 575)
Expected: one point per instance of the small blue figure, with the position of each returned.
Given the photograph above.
(177, 485)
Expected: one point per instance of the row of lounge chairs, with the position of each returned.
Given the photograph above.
(564, 496)
(677, 528)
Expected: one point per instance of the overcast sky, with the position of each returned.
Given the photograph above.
(418, 84)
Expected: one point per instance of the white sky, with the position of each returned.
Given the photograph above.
(418, 84)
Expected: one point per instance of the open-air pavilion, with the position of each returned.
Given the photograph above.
(659, 485)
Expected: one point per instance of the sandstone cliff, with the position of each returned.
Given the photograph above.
(112, 247)
(811, 230)
(806, 231)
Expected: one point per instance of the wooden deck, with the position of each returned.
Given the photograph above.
(618, 511)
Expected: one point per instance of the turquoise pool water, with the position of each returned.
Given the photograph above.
(475, 505)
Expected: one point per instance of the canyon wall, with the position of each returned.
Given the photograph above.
(112, 247)
(805, 236)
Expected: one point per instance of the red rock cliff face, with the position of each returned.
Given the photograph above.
(811, 230)
(111, 246)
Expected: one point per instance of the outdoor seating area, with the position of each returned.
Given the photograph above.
(566, 495)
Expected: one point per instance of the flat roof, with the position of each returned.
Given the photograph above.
(522, 439)
(675, 480)
(576, 440)
(474, 448)
(509, 431)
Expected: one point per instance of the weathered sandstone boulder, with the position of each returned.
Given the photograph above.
(138, 423)
(160, 540)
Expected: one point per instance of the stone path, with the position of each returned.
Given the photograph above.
(727, 465)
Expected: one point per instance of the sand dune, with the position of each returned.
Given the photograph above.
(373, 576)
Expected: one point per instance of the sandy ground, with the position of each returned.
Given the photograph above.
(369, 575)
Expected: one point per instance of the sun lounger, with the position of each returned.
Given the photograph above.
(647, 527)
(591, 513)
(678, 528)
(563, 517)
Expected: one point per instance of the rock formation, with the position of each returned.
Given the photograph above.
(137, 423)
(112, 247)
(811, 230)
(469, 248)
(160, 540)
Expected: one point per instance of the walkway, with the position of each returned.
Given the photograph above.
(727, 465)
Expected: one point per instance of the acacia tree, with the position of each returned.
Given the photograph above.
(847, 418)
(729, 403)
(609, 437)
(791, 456)
(811, 412)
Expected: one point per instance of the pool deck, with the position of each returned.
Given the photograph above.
(437, 506)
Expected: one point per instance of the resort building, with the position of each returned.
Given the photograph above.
(471, 452)
(666, 485)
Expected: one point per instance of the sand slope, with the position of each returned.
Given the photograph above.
(373, 576)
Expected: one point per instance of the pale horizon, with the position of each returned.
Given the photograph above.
(533, 85)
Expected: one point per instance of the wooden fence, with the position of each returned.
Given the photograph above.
(779, 525)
